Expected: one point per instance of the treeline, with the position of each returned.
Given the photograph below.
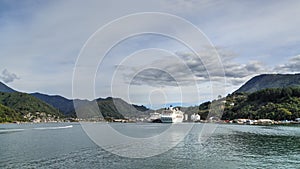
(276, 104)
(275, 94)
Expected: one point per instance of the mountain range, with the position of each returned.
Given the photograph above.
(15, 105)
(63, 107)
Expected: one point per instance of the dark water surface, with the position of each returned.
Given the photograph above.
(65, 145)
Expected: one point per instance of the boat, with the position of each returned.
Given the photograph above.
(155, 117)
(172, 115)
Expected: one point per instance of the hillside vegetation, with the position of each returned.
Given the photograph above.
(273, 103)
(110, 107)
(9, 115)
(14, 106)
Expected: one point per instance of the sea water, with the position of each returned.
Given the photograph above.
(66, 145)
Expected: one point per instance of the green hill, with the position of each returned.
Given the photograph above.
(110, 106)
(91, 110)
(17, 105)
(270, 81)
(275, 103)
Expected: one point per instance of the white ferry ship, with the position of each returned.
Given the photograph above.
(172, 115)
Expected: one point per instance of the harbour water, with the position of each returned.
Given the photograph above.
(66, 145)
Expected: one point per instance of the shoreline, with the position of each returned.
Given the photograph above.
(237, 124)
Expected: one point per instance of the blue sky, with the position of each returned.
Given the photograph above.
(41, 40)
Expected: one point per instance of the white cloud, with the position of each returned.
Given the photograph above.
(292, 66)
(7, 76)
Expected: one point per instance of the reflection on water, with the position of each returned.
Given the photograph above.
(230, 146)
(137, 141)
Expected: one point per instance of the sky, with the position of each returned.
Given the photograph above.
(146, 52)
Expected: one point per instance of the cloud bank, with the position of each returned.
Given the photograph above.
(293, 65)
(40, 42)
(191, 68)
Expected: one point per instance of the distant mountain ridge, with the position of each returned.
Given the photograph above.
(265, 81)
(109, 107)
(64, 105)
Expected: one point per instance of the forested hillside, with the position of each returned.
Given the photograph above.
(273, 103)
